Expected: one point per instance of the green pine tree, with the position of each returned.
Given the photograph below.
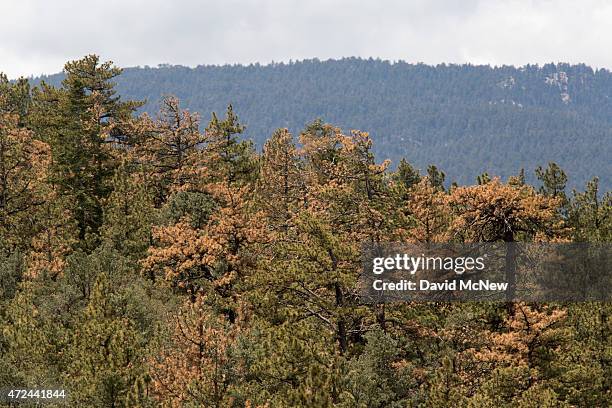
(81, 121)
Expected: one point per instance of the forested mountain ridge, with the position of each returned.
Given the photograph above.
(466, 119)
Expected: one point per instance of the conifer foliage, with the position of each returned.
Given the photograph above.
(161, 261)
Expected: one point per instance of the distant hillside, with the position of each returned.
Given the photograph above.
(465, 119)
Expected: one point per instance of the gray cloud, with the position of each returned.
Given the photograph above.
(38, 36)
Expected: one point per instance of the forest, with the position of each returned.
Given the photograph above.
(465, 119)
(158, 258)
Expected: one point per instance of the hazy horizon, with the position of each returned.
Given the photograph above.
(190, 33)
(162, 65)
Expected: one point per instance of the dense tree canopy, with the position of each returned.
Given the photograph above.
(156, 261)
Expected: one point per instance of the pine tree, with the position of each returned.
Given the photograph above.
(426, 214)
(553, 180)
(199, 366)
(321, 146)
(280, 187)
(582, 371)
(315, 271)
(168, 149)
(228, 160)
(518, 359)
(15, 98)
(23, 170)
(494, 212)
(279, 358)
(54, 240)
(80, 121)
(214, 257)
(436, 177)
(217, 253)
(591, 215)
(128, 214)
(407, 175)
(377, 378)
(32, 342)
(105, 354)
(484, 178)
(518, 180)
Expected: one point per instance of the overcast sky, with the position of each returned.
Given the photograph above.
(38, 36)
